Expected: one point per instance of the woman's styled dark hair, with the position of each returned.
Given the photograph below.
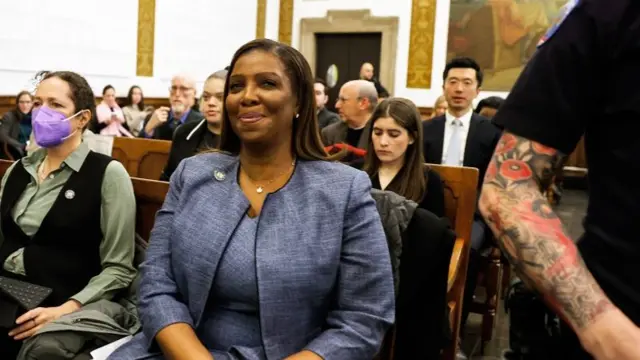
(306, 143)
(81, 94)
(129, 100)
(22, 93)
(108, 87)
(411, 181)
(493, 102)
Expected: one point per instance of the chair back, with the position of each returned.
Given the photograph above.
(460, 196)
(143, 158)
(150, 196)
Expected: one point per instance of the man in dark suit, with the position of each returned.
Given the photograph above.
(355, 104)
(462, 138)
(325, 117)
(162, 123)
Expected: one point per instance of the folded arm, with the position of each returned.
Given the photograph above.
(531, 234)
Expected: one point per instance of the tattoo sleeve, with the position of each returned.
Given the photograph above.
(531, 235)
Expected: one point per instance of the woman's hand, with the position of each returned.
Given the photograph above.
(304, 355)
(32, 321)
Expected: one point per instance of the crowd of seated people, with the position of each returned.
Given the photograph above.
(262, 210)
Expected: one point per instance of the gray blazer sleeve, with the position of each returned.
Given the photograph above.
(365, 304)
(159, 301)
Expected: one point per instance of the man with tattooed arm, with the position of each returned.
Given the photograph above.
(583, 80)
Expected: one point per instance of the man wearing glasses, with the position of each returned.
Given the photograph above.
(163, 122)
(355, 104)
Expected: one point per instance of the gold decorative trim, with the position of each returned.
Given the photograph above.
(146, 37)
(355, 21)
(261, 18)
(419, 66)
(285, 21)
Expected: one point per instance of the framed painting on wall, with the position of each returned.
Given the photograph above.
(501, 35)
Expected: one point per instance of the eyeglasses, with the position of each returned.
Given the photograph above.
(345, 99)
(181, 89)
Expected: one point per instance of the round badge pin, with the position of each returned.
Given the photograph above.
(69, 194)
(219, 175)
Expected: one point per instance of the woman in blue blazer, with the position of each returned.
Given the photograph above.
(266, 249)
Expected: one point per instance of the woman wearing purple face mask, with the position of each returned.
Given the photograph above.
(67, 213)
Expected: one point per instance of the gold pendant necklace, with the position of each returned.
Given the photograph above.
(260, 188)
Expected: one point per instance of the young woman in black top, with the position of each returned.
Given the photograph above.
(395, 161)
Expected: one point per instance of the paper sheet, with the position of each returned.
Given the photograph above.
(104, 352)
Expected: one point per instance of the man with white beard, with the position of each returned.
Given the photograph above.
(163, 122)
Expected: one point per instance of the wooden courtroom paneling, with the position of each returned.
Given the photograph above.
(150, 196)
(143, 158)
(425, 112)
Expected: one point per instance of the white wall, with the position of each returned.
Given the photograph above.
(401, 9)
(196, 37)
(66, 34)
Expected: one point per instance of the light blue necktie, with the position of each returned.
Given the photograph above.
(455, 144)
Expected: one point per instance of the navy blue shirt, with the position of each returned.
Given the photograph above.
(585, 80)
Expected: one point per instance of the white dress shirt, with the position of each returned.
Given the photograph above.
(448, 131)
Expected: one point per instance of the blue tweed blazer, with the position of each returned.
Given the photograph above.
(322, 261)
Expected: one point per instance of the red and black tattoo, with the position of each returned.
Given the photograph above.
(531, 235)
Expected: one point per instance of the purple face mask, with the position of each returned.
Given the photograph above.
(50, 128)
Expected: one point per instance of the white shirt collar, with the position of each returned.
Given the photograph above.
(466, 118)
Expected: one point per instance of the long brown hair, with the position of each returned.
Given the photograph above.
(410, 181)
(306, 143)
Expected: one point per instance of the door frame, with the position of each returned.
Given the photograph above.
(351, 22)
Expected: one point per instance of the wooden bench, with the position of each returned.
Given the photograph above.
(460, 185)
(143, 158)
(150, 196)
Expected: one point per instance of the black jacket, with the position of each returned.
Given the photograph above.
(186, 142)
(481, 141)
(422, 324)
(326, 118)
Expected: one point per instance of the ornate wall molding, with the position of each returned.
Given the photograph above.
(285, 21)
(419, 66)
(354, 21)
(261, 18)
(146, 37)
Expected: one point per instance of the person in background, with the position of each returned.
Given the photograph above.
(580, 84)
(355, 104)
(268, 248)
(488, 107)
(440, 107)
(110, 114)
(367, 73)
(162, 123)
(15, 125)
(462, 138)
(397, 163)
(134, 110)
(195, 137)
(383, 95)
(325, 116)
(68, 214)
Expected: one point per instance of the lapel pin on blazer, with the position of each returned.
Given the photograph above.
(219, 175)
(69, 194)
